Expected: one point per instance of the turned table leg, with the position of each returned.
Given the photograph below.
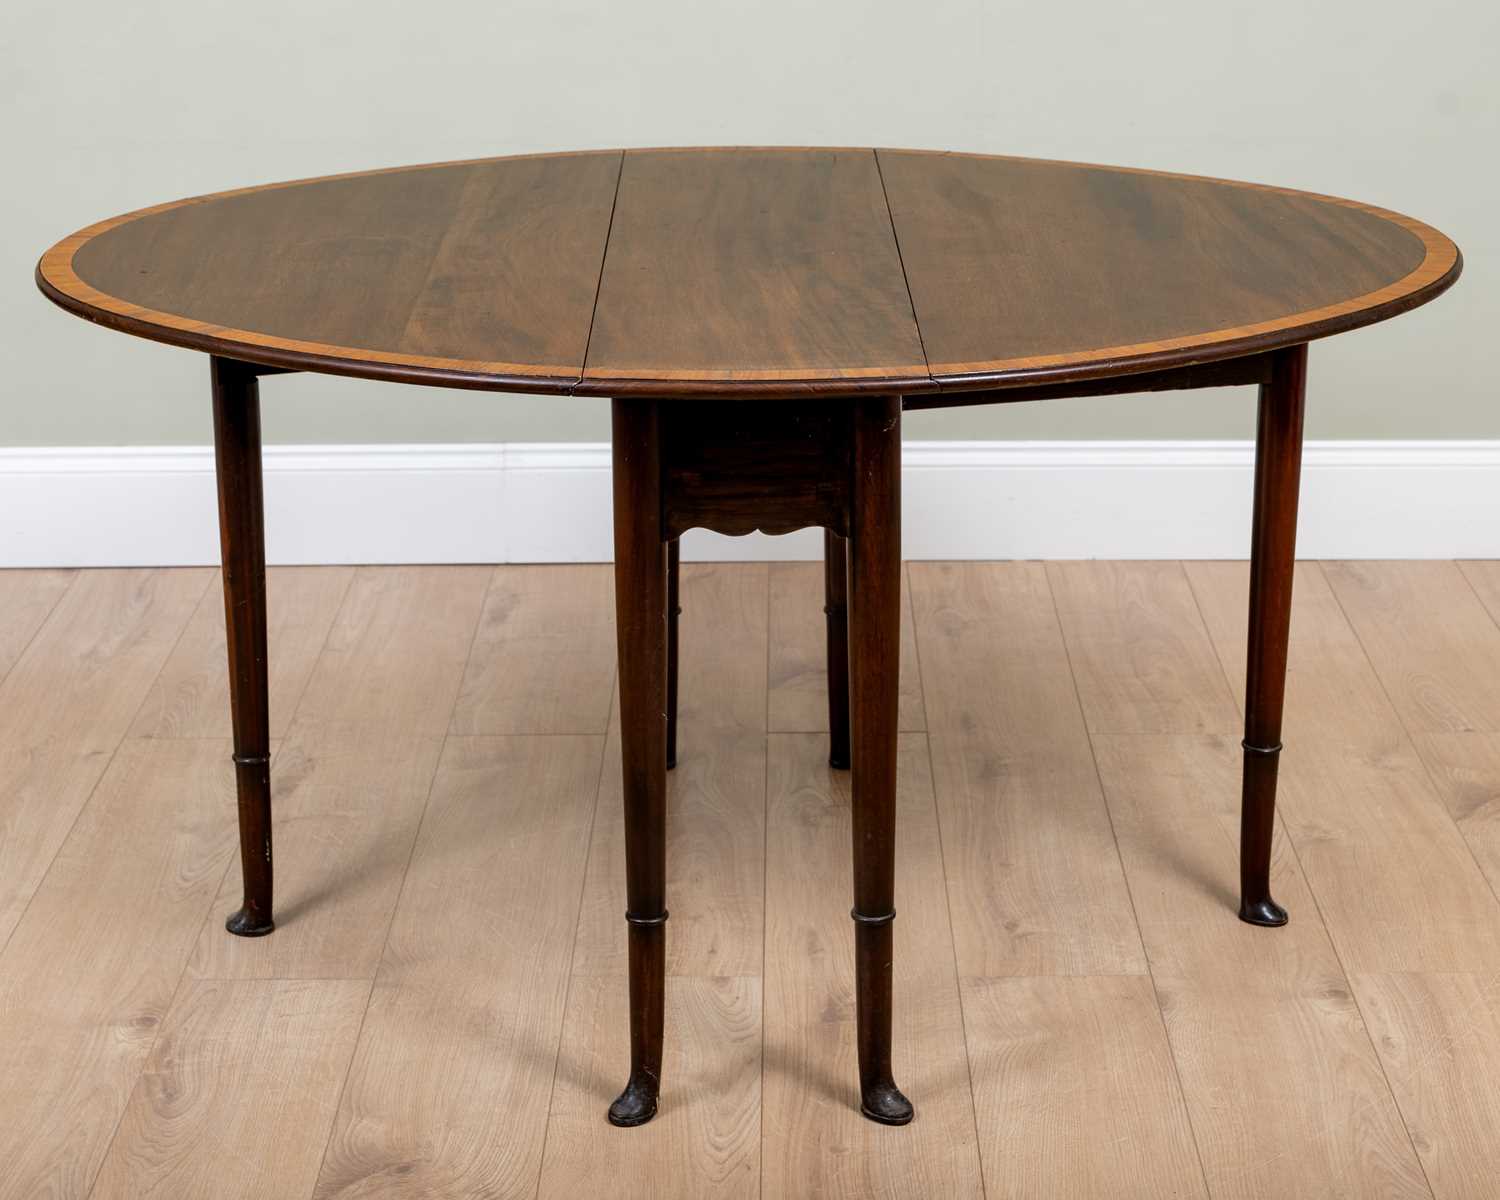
(641, 612)
(674, 611)
(1273, 540)
(242, 543)
(836, 610)
(875, 628)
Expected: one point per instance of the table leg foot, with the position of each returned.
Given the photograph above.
(637, 1103)
(244, 923)
(883, 1103)
(1264, 911)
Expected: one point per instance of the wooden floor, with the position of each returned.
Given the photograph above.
(441, 1011)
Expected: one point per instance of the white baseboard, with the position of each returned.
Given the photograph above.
(136, 506)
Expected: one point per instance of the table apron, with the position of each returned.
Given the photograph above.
(742, 466)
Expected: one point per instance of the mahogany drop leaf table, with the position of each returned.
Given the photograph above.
(759, 318)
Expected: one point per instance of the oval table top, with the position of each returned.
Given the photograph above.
(747, 271)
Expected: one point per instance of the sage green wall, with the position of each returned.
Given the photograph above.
(110, 106)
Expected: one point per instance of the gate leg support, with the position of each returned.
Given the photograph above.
(674, 611)
(836, 608)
